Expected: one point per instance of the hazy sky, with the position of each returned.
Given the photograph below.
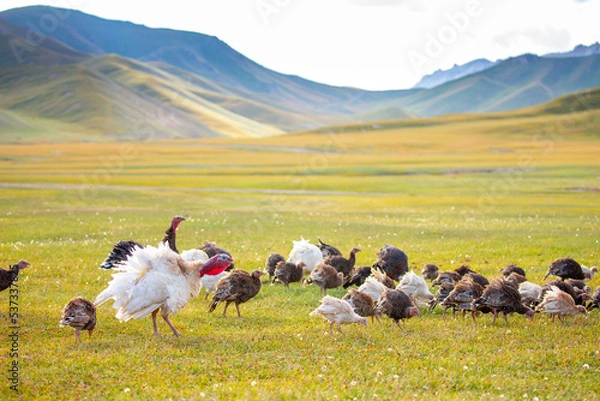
(370, 44)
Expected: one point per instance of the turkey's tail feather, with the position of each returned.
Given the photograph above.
(120, 253)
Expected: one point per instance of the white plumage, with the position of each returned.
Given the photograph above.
(337, 312)
(150, 279)
(194, 255)
(416, 287)
(589, 272)
(372, 287)
(559, 303)
(530, 290)
(208, 283)
(304, 251)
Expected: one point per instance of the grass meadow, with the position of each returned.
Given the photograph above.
(482, 192)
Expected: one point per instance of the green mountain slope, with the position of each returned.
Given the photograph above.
(512, 84)
(114, 77)
(200, 54)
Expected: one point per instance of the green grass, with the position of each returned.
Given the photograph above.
(459, 192)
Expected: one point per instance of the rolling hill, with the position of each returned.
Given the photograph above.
(81, 77)
(511, 84)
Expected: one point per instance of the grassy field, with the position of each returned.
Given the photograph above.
(453, 191)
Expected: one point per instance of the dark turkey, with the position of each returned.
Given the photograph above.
(463, 294)
(464, 269)
(271, 264)
(430, 272)
(513, 269)
(479, 279)
(325, 276)
(212, 249)
(359, 276)
(362, 303)
(502, 296)
(287, 272)
(238, 287)
(397, 305)
(124, 249)
(80, 314)
(7, 277)
(451, 277)
(565, 268)
(443, 291)
(595, 302)
(392, 261)
(516, 278)
(343, 265)
(328, 250)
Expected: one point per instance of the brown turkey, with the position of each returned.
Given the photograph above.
(462, 295)
(325, 276)
(513, 269)
(397, 305)
(464, 269)
(595, 302)
(212, 249)
(328, 250)
(516, 278)
(443, 291)
(501, 296)
(124, 249)
(450, 276)
(362, 303)
(237, 287)
(359, 276)
(565, 268)
(287, 272)
(271, 264)
(392, 261)
(430, 272)
(8, 277)
(579, 296)
(80, 314)
(343, 265)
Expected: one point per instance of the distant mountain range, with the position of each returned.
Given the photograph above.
(83, 74)
(440, 77)
(458, 71)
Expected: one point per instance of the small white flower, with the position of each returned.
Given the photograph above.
(465, 367)
(586, 366)
(253, 383)
(126, 390)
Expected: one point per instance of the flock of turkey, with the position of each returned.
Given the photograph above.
(149, 279)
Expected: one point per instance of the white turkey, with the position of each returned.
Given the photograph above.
(415, 287)
(208, 283)
(154, 279)
(373, 288)
(304, 251)
(530, 293)
(559, 303)
(337, 312)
